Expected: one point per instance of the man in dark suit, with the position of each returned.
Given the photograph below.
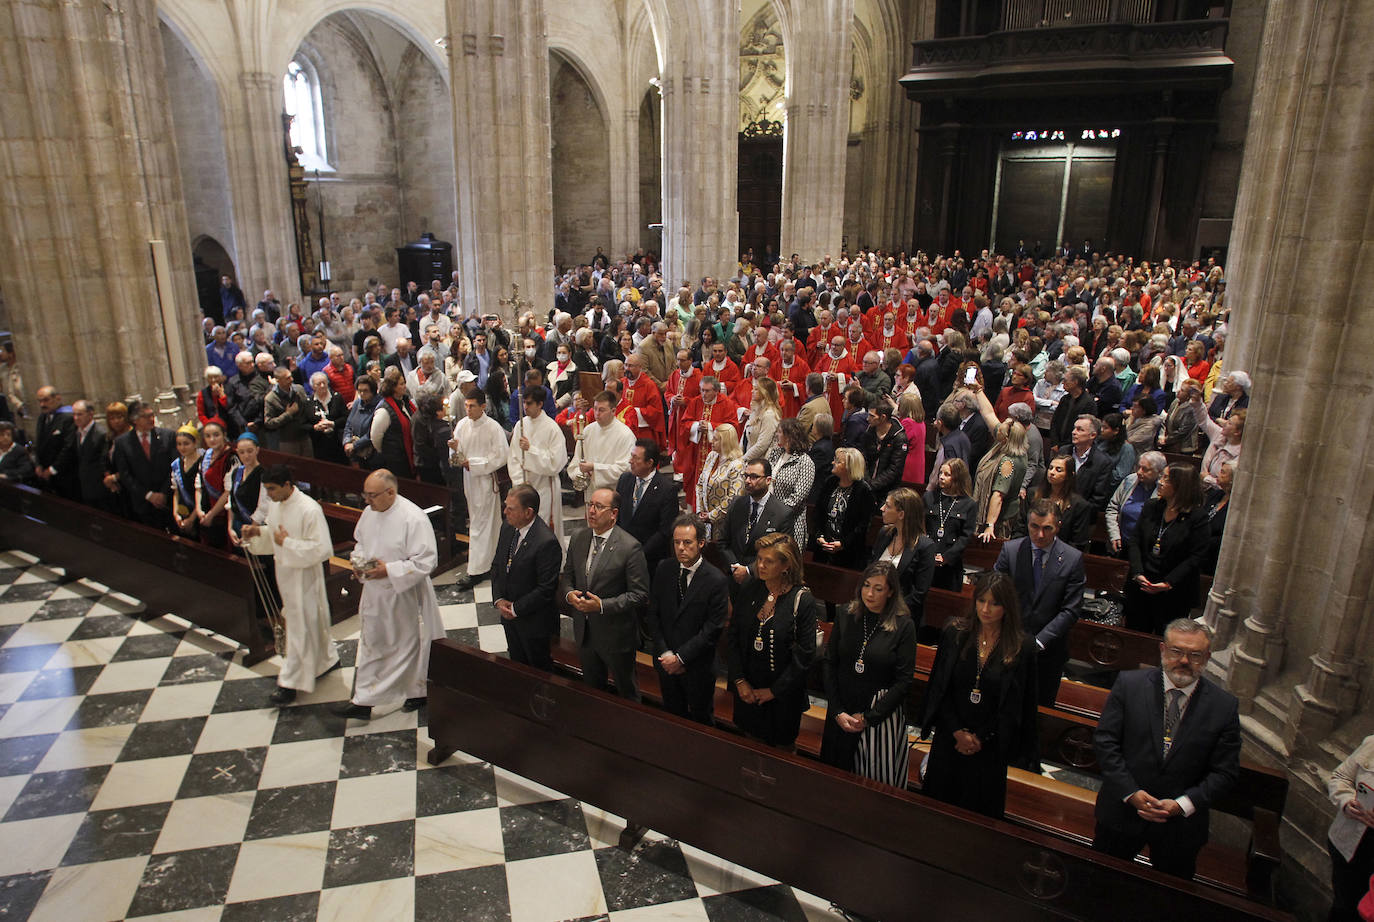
(15, 464)
(649, 501)
(143, 460)
(1049, 581)
(753, 515)
(604, 584)
(524, 579)
(687, 608)
(1092, 468)
(972, 425)
(1168, 742)
(1075, 402)
(92, 455)
(54, 446)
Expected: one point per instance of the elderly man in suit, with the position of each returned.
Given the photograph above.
(92, 454)
(816, 402)
(1091, 466)
(687, 609)
(1049, 581)
(143, 460)
(648, 500)
(754, 514)
(524, 579)
(1168, 742)
(54, 446)
(605, 583)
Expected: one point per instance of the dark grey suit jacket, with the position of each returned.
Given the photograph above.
(737, 544)
(619, 577)
(1049, 612)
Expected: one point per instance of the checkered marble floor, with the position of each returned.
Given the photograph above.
(144, 776)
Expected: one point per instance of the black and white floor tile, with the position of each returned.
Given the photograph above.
(143, 775)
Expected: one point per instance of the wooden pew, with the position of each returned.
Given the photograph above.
(210, 588)
(1102, 573)
(329, 482)
(769, 809)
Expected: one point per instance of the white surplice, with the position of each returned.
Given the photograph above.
(300, 577)
(483, 442)
(540, 464)
(399, 613)
(608, 448)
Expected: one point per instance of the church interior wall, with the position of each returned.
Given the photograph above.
(424, 116)
(1243, 36)
(580, 150)
(200, 142)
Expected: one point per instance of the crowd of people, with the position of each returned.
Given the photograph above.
(1060, 406)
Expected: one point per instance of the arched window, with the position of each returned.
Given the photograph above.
(301, 89)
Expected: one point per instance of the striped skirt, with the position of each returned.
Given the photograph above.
(883, 750)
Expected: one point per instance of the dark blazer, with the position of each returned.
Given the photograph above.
(1069, 409)
(1203, 762)
(652, 523)
(1013, 733)
(979, 438)
(1108, 394)
(1094, 477)
(738, 546)
(92, 458)
(914, 571)
(1050, 612)
(1182, 548)
(691, 626)
(16, 466)
(959, 525)
(531, 580)
(1217, 409)
(793, 632)
(54, 445)
(619, 578)
(139, 475)
(853, 531)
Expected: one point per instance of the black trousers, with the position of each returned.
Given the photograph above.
(1350, 880)
(1049, 669)
(1168, 854)
(527, 643)
(692, 694)
(620, 666)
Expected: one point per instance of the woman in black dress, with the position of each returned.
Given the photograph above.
(869, 662)
(951, 516)
(981, 701)
(1167, 551)
(904, 544)
(1216, 505)
(771, 643)
(844, 511)
(431, 433)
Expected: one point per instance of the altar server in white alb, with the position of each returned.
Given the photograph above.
(606, 447)
(300, 546)
(479, 448)
(398, 610)
(538, 454)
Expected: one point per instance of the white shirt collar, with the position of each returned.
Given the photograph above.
(604, 534)
(1187, 692)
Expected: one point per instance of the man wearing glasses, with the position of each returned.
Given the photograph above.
(1168, 743)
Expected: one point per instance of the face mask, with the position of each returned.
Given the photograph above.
(562, 356)
(529, 353)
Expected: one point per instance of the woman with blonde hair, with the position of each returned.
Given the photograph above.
(765, 413)
(771, 643)
(722, 478)
(843, 512)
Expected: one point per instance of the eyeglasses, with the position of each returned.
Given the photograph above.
(371, 496)
(598, 507)
(1197, 659)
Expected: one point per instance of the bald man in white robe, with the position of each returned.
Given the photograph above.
(398, 609)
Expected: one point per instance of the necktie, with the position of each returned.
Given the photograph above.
(598, 543)
(753, 513)
(147, 447)
(1171, 716)
(1037, 567)
(639, 494)
(514, 547)
(681, 583)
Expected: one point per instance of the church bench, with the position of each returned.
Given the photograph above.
(210, 588)
(707, 788)
(1102, 573)
(329, 482)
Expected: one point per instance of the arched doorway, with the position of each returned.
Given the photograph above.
(212, 261)
(763, 69)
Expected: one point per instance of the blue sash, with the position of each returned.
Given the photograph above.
(207, 461)
(179, 477)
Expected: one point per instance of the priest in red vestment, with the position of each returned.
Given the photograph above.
(819, 340)
(683, 384)
(641, 403)
(709, 409)
(721, 367)
(839, 367)
(762, 347)
(791, 377)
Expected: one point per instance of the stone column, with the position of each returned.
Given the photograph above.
(701, 148)
(1299, 550)
(260, 192)
(817, 36)
(89, 182)
(499, 61)
(625, 217)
